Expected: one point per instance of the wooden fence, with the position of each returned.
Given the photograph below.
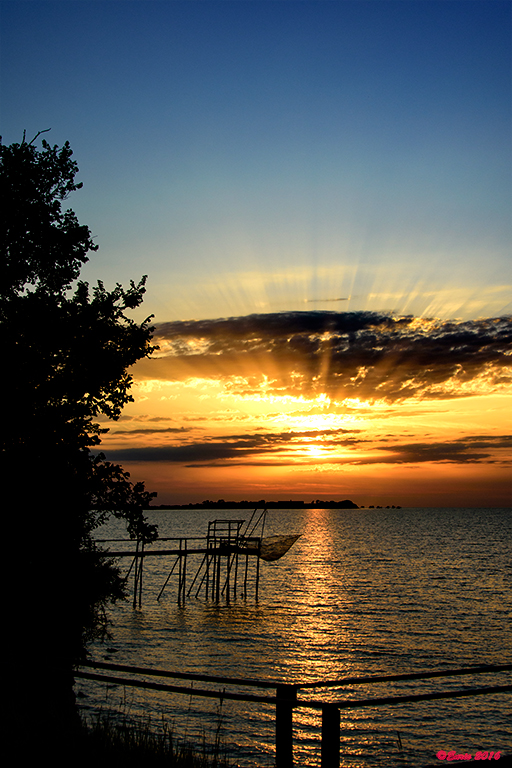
(286, 698)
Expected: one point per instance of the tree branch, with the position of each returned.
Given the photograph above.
(36, 136)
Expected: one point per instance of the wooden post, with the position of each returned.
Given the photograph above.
(286, 695)
(330, 736)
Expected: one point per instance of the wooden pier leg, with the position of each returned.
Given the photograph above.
(217, 580)
(257, 577)
(207, 587)
(226, 583)
(180, 577)
(140, 575)
(136, 575)
(167, 579)
(330, 736)
(214, 569)
(230, 584)
(286, 695)
(184, 578)
(236, 575)
(245, 577)
(203, 561)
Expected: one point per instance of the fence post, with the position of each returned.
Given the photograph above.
(330, 736)
(286, 695)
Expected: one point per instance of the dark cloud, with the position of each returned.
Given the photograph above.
(333, 435)
(193, 452)
(274, 325)
(149, 431)
(145, 418)
(233, 446)
(343, 354)
(274, 449)
(466, 450)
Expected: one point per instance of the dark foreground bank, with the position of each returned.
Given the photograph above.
(129, 743)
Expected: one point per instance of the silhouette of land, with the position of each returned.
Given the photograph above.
(287, 504)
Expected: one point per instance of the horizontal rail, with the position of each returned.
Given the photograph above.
(293, 702)
(160, 538)
(152, 552)
(483, 668)
(391, 700)
(163, 538)
(218, 535)
(250, 682)
(177, 688)
(223, 549)
(257, 683)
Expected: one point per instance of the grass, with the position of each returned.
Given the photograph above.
(127, 743)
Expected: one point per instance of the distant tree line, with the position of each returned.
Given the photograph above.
(261, 503)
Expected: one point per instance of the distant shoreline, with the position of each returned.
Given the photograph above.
(261, 503)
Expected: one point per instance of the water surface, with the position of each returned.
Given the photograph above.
(370, 591)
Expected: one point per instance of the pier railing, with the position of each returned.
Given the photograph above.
(286, 698)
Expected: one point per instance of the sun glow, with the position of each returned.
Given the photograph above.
(273, 405)
(315, 451)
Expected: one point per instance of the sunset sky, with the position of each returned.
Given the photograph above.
(320, 195)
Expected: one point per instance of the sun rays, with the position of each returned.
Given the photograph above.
(357, 397)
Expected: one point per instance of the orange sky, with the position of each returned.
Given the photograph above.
(378, 408)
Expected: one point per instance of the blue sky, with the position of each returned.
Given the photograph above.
(275, 163)
(267, 156)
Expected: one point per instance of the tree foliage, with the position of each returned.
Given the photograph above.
(67, 350)
(41, 245)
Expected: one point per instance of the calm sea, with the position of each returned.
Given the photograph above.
(369, 591)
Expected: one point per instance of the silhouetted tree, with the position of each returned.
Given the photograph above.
(66, 351)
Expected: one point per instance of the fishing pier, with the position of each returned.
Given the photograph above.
(230, 564)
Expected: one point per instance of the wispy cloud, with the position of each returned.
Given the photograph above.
(323, 301)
